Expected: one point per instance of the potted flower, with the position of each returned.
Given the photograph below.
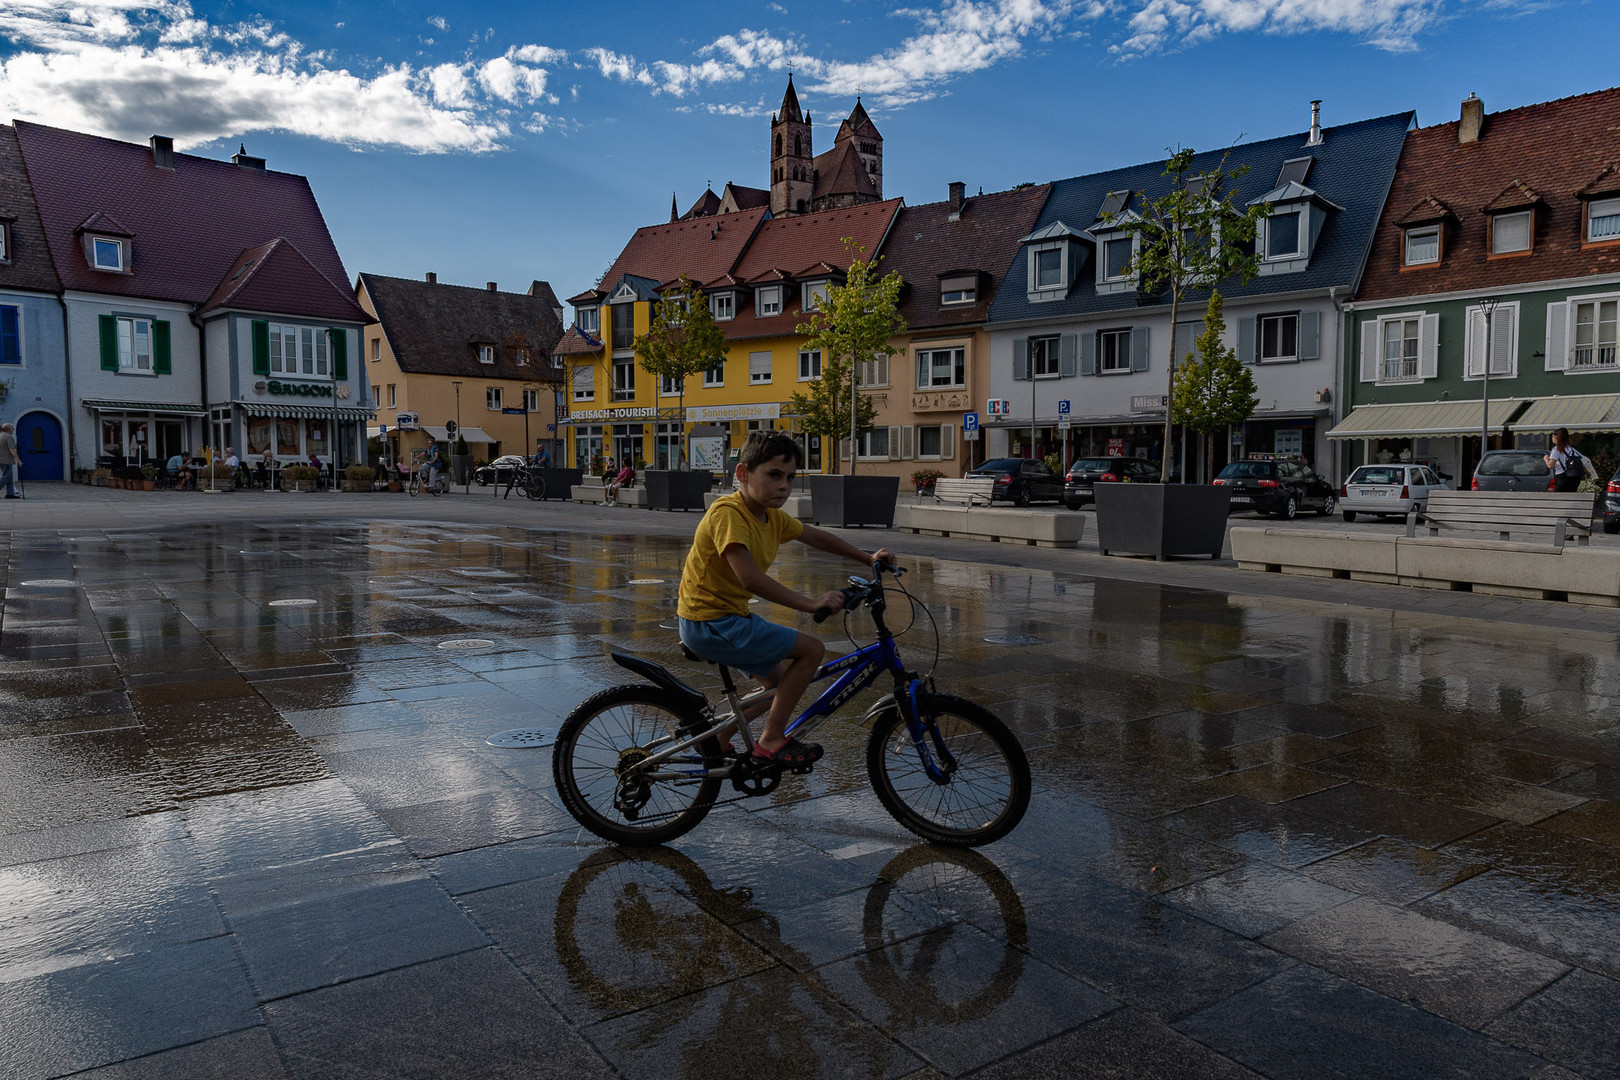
(298, 478)
(923, 480)
(101, 477)
(358, 477)
(216, 477)
(149, 475)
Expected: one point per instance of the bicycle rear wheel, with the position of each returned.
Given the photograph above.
(985, 795)
(594, 764)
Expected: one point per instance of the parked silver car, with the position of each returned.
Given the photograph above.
(1388, 489)
(1513, 470)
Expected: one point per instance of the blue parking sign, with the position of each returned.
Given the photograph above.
(1063, 407)
(970, 421)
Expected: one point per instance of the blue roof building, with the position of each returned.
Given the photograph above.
(1074, 338)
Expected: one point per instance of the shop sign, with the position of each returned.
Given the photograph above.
(642, 412)
(1148, 402)
(1116, 448)
(297, 389)
(406, 421)
(719, 414)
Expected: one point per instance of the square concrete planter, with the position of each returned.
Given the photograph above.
(559, 482)
(854, 500)
(1162, 520)
(676, 489)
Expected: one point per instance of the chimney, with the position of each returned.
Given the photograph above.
(490, 285)
(163, 151)
(243, 160)
(1316, 124)
(958, 190)
(432, 278)
(1473, 120)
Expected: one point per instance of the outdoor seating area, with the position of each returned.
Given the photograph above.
(1469, 549)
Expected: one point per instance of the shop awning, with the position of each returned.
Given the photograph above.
(306, 412)
(157, 408)
(1425, 419)
(471, 434)
(1580, 412)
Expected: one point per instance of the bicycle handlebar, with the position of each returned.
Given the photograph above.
(861, 591)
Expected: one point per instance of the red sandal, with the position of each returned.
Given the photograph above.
(792, 752)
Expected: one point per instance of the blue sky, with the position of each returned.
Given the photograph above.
(512, 142)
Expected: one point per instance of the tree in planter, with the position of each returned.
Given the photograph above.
(854, 323)
(1191, 238)
(683, 340)
(1212, 389)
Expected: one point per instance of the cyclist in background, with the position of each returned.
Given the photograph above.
(434, 464)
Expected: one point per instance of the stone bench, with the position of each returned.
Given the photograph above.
(798, 504)
(1036, 528)
(593, 493)
(1531, 571)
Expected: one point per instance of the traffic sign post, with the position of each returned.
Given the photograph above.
(1063, 407)
(970, 421)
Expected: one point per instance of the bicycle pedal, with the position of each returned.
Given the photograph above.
(802, 770)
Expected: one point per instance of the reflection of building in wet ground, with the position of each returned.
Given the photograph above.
(1332, 829)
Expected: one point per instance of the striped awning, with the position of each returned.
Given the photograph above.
(306, 412)
(1579, 412)
(157, 407)
(471, 434)
(1426, 419)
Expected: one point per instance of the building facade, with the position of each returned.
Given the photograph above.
(479, 357)
(1488, 309)
(1081, 352)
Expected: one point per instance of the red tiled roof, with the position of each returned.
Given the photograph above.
(749, 198)
(840, 171)
(435, 328)
(277, 278)
(1553, 150)
(702, 248)
(1427, 209)
(589, 296)
(706, 206)
(29, 264)
(576, 341)
(926, 245)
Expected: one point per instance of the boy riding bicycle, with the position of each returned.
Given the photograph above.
(734, 546)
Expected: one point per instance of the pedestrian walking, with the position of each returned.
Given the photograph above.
(10, 463)
(1568, 464)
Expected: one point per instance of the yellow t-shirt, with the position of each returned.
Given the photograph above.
(709, 587)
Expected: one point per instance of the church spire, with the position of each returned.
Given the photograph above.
(674, 208)
(790, 104)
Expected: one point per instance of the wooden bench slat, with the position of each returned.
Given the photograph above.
(1547, 515)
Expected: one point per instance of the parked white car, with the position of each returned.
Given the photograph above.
(1388, 489)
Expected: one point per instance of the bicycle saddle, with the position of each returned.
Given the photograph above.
(687, 652)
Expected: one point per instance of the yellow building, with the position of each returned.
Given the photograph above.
(480, 358)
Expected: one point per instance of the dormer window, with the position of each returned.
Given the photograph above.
(586, 317)
(815, 294)
(1048, 267)
(961, 289)
(1422, 245)
(486, 354)
(5, 240)
(1602, 220)
(723, 306)
(1510, 233)
(768, 300)
(1117, 258)
(1055, 255)
(1282, 235)
(107, 254)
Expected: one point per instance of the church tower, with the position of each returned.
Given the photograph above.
(792, 177)
(859, 129)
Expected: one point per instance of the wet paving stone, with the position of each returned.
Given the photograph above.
(1281, 835)
(1596, 819)
(1391, 813)
(1393, 871)
(1256, 899)
(1554, 920)
(476, 820)
(467, 1015)
(1571, 1022)
(1124, 1045)
(241, 1055)
(1558, 859)
(1311, 1024)
(1271, 783)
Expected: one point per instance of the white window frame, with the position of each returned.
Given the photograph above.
(715, 376)
(723, 306)
(1611, 206)
(1420, 232)
(768, 301)
(393, 395)
(130, 329)
(624, 378)
(486, 354)
(947, 449)
(119, 262)
(1122, 357)
(587, 319)
(1051, 360)
(814, 293)
(925, 368)
(809, 364)
(669, 386)
(376, 349)
(1474, 336)
(873, 373)
(1260, 337)
(297, 350)
(870, 451)
(1529, 231)
(1035, 253)
(521, 356)
(5, 241)
(1301, 216)
(1575, 305)
(588, 391)
(493, 398)
(958, 297)
(1103, 242)
(531, 401)
(757, 378)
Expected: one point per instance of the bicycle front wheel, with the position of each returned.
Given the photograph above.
(986, 792)
(595, 764)
(414, 487)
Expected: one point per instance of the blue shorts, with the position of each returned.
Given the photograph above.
(745, 642)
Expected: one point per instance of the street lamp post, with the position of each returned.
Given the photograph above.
(1488, 306)
(331, 369)
(457, 384)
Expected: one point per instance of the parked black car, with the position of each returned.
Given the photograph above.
(1084, 473)
(1611, 505)
(497, 471)
(1021, 481)
(1282, 486)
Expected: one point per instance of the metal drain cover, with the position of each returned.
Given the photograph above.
(467, 644)
(1010, 639)
(647, 581)
(523, 738)
(51, 583)
(292, 603)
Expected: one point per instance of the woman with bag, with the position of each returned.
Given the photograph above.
(1569, 466)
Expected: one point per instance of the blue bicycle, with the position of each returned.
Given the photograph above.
(643, 763)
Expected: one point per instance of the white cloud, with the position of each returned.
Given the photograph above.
(439, 23)
(1393, 25)
(511, 82)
